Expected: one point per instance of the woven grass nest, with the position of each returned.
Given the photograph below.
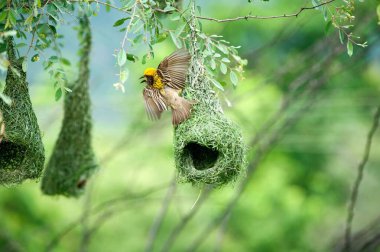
(21, 150)
(73, 161)
(208, 147)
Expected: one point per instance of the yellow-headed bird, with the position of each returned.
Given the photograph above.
(164, 86)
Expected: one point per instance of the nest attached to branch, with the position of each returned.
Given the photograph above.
(208, 147)
(73, 159)
(21, 150)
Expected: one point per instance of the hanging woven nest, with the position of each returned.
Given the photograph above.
(208, 147)
(73, 160)
(21, 149)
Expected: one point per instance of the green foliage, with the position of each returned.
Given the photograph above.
(341, 17)
(145, 22)
(40, 19)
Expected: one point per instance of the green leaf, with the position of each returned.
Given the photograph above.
(58, 94)
(223, 68)
(217, 84)
(121, 57)
(350, 48)
(124, 76)
(3, 15)
(378, 13)
(143, 61)
(233, 77)
(169, 8)
(138, 39)
(35, 57)
(179, 30)
(132, 57)
(175, 17)
(24, 65)
(108, 6)
(226, 60)
(65, 61)
(199, 9)
(212, 64)
(161, 37)
(120, 21)
(341, 37)
(29, 20)
(6, 99)
(177, 42)
(15, 71)
(314, 2)
(328, 26)
(222, 48)
(325, 14)
(3, 48)
(53, 59)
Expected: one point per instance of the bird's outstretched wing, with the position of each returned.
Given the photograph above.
(173, 69)
(154, 102)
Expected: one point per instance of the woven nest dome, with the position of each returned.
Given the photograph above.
(209, 148)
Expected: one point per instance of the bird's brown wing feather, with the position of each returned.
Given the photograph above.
(173, 69)
(154, 102)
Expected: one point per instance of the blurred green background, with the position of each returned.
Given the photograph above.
(297, 195)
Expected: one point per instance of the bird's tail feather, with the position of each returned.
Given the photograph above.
(182, 112)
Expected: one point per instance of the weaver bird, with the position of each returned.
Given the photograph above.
(164, 86)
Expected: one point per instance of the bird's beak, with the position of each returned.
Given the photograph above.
(141, 77)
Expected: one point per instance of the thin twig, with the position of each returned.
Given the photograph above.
(221, 233)
(359, 177)
(133, 15)
(104, 206)
(161, 215)
(178, 229)
(265, 17)
(126, 10)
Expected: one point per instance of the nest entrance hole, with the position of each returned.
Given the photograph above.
(11, 153)
(202, 157)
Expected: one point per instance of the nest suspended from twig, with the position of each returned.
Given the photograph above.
(73, 160)
(208, 147)
(21, 150)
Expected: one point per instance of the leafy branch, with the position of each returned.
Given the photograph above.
(265, 17)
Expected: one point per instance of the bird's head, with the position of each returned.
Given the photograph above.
(148, 74)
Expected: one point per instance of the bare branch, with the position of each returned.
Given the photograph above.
(265, 17)
(221, 233)
(161, 215)
(359, 177)
(178, 229)
(101, 208)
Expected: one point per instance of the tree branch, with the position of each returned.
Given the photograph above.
(180, 226)
(161, 215)
(359, 177)
(265, 17)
